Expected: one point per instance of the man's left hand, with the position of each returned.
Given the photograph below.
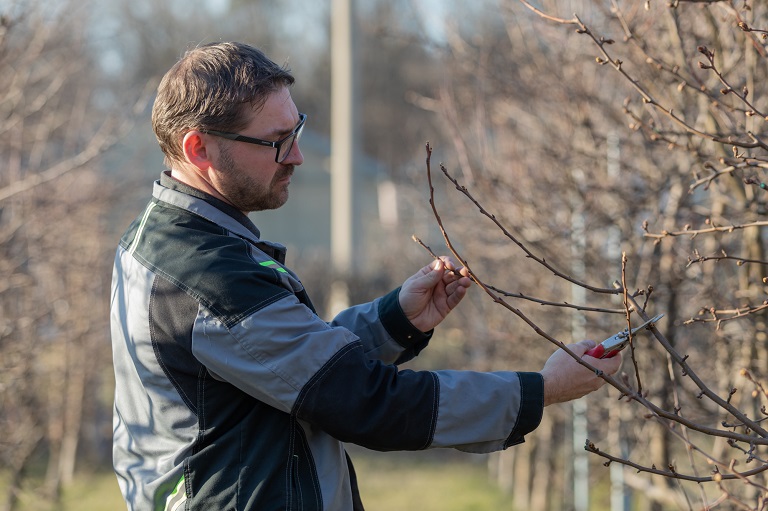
(429, 295)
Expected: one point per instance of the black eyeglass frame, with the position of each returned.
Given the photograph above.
(293, 136)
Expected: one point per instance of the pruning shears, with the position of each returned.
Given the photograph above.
(614, 344)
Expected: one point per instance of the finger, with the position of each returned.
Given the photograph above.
(458, 276)
(435, 266)
(456, 296)
(448, 261)
(453, 268)
(432, 273)
(611, 365)
(460, 283)
(581, 347)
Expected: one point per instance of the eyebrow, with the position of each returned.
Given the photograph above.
(279, 132)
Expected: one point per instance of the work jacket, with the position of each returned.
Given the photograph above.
(232, 394)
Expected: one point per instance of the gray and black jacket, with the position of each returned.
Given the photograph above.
(232, 394)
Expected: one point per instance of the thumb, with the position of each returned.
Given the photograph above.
(582, 347)
(436, 271)
(429, 276)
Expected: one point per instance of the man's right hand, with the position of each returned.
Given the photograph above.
(565, 379)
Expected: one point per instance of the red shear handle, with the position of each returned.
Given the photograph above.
(597, 352)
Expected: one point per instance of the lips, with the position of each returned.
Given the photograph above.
(285, 175)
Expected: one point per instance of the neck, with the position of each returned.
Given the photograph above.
(195, 180)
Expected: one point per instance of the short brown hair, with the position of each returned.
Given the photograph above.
(207, 88)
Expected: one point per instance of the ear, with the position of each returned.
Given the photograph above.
(197, 152)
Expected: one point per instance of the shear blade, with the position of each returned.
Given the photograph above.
(647, 323)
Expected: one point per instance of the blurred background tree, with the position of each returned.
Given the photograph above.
(54, 244)
(639, 129)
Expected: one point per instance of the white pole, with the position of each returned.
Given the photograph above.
(342, 149)
(620, 497)
(578, 296)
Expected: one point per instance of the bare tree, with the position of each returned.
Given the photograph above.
(646, 122)
(54, 255)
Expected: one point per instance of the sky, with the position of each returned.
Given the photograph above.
(306, 17)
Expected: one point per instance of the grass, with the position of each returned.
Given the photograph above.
(437, 481)
(423, 481)
(89, 492)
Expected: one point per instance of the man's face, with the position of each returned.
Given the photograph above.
(248, 176)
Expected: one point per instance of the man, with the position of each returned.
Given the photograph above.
(232, 394)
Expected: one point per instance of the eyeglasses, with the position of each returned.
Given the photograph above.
(283, 146)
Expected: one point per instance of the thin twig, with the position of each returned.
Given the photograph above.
(522, 296)
(733, 314)
(646, 96)
(705, 390)
(628, 313)
(591, 447)
(528, 253)
(497, 299)
(707, 230)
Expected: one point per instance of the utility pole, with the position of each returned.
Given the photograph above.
(342, 151)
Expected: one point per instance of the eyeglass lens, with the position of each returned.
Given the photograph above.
(287, 145)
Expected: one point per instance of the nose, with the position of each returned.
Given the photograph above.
(294, 156)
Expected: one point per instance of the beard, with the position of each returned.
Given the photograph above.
(247, 194)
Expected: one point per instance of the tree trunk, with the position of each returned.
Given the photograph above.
(541, 485)
(65, 417)
(18, 470)
(72, 423)
(521, 493)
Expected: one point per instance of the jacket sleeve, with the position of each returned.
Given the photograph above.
(287, 357)
(385, 332)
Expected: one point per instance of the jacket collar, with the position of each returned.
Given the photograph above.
(171, 190)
